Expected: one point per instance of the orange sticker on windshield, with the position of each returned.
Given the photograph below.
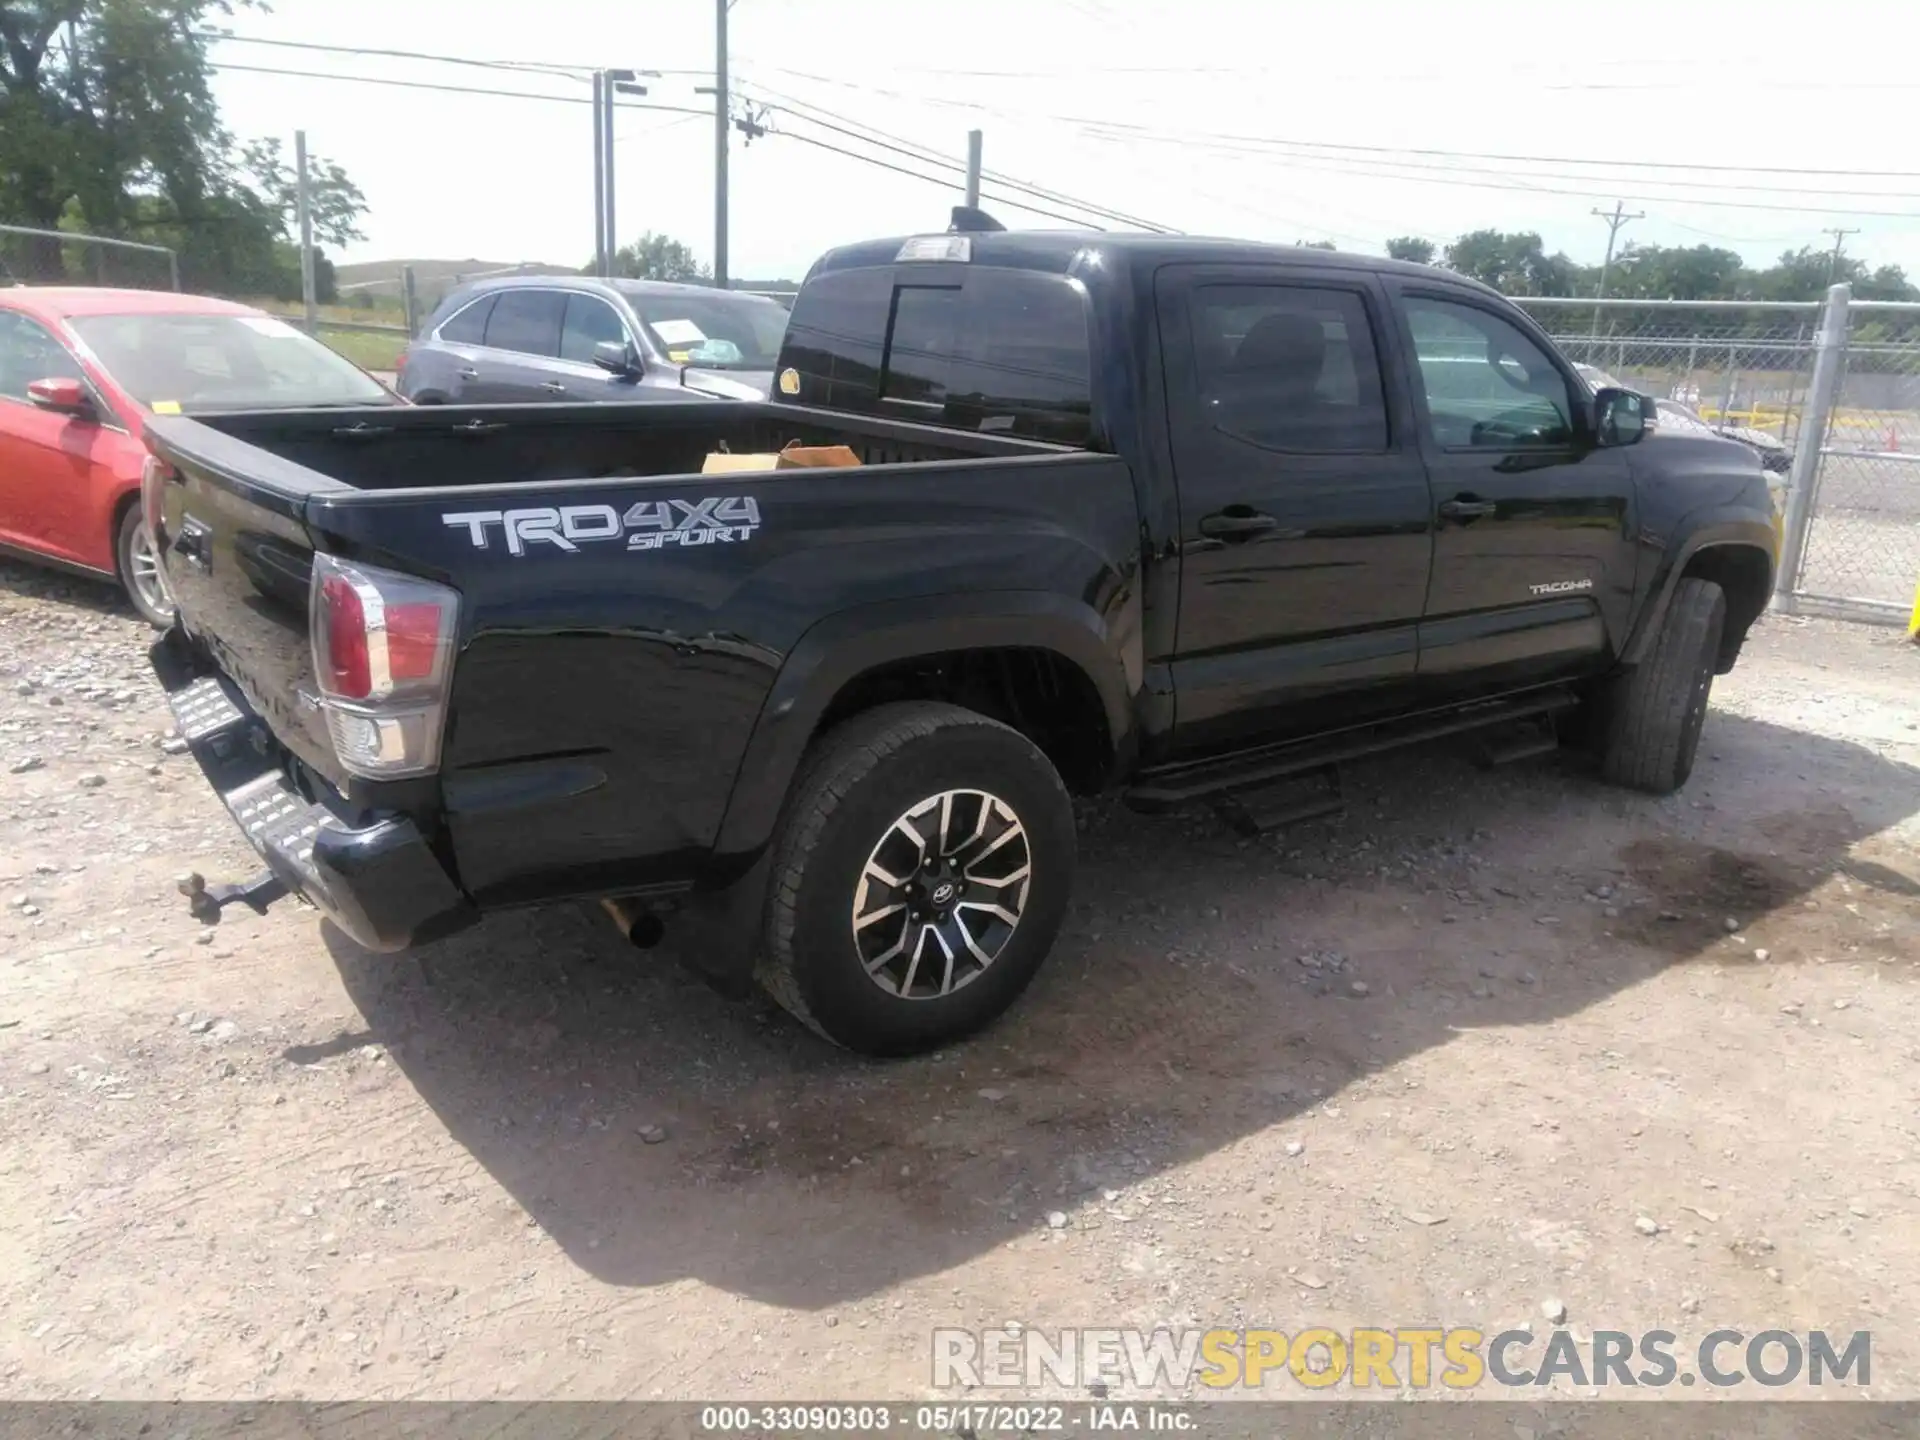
(679, 357)
(166, 407)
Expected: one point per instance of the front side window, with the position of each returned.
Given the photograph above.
(224, 362)
(1290, 367)
(716, 331)
(29, 352)
(527, 322)
(590, 321)
(1488, 384)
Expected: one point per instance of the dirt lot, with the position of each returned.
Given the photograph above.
(1439, 1061)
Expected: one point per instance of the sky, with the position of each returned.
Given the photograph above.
(1278, 120)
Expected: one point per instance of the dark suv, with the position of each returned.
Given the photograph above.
(570, 338)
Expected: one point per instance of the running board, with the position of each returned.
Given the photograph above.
(1250, 769)
(1270, 807)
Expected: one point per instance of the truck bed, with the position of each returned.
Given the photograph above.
(605, 689)
(320, 452)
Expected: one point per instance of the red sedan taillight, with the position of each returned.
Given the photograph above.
(382, 657)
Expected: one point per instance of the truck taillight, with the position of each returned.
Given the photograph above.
(382, 656)
(153, 493)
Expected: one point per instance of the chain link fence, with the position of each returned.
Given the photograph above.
(1748, 369)
(30, 256)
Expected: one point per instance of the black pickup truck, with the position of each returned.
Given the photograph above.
(1177, 516)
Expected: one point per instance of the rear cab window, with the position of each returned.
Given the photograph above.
(973, 347)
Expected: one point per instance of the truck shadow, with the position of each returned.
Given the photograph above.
(1205, 989)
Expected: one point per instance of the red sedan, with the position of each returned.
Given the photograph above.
(79, 369)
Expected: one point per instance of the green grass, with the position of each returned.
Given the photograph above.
(369, 352)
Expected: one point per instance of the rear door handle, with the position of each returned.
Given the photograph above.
(553, 387)
(1236, 523)
(1466, 508)
(467, 372)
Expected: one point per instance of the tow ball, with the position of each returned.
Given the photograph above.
(205, 902)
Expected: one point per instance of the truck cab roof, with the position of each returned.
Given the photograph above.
(1064, 252)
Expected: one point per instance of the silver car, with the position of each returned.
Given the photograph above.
(527, 339)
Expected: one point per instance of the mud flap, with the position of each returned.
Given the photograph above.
(717, 933)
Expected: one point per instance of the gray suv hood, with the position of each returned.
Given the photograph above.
(728, 384)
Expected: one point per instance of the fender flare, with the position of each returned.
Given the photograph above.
(850, 642)
(1743, 532)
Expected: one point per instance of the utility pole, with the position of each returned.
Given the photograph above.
(1833, 260)
(608, 85)
(1615, 218)
(609, 230)
(599, 175)
(303, 210)
(975, 140)
(722, 121)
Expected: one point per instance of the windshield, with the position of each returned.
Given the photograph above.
(715, 332)
(223, 362)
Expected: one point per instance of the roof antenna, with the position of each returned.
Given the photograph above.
(968, 218)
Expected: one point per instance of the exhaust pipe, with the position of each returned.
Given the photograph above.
(642, 928)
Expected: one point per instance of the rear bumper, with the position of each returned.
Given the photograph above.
(378, 880)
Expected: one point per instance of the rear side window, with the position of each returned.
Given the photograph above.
(1290, 367)
(1003, 351)
(469, 327)
(527, 322)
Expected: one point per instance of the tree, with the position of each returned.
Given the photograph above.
(1514, 264)
(108, 127)
(334, 203)
(657, 257)
(1314, 244)
(1411, 247)
(1675, 272)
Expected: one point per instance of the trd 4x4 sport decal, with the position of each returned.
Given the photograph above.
(647, 524)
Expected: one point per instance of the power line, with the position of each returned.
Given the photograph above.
(584, 72)
(1335, 165)
(1306, 150)
(447, 89)
(580, 72)
(1384, 150)
(874, 139)
(939, 180)
(928, 155)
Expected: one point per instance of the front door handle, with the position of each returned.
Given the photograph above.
(467, 372)
(553, 387)
(1236, 522)
(1466, 508)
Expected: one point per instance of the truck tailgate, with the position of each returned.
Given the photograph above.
(238, 558)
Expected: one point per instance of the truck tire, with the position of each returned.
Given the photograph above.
(919, 877)
(1650, 717)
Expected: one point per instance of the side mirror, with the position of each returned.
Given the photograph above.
(63, 397)
(619, 356)
(1620, 417)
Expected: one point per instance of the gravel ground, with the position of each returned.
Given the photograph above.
(1482, 1046)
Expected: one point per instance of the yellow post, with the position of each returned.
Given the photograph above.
(1913, 620)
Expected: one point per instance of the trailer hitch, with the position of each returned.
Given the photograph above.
(205, 902)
